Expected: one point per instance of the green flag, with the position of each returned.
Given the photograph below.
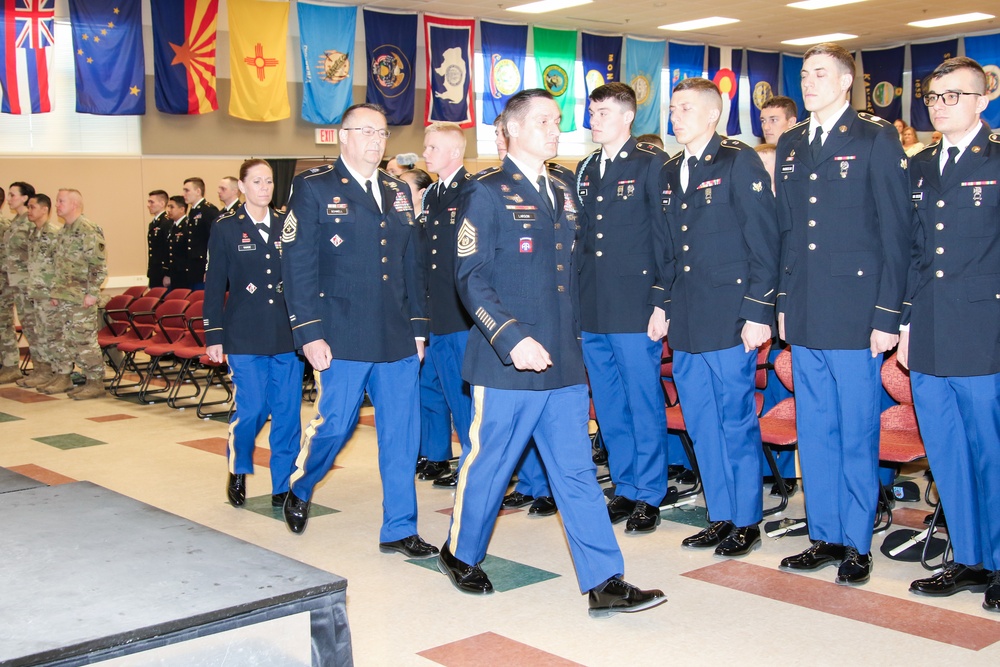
(555, 55)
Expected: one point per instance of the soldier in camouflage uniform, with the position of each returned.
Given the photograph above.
(80, 270)
(9, 355)
(17, 241)
(40, 281)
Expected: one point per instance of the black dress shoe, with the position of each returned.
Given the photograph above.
(296, 513)
(790, 486)
(952, 579)
(644, 518)
(236, 490)
(992, 600)
(710, 537)
(516, 499)
(448, 481)
(674, 470)
(616, 595)
(543, 506)
(434, 470)
(599, 456)
(687, 477)
(941, 523)
(467, 578)
(421, 462)
(739, 542)
(620, 508)
(278, 499)
(411, 547)
(855, 569)
(818, 555)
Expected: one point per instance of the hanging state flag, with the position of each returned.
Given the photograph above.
(643, 71)
(391, 43)
(184, 38)
(449, 52)
(791, 82)
(762, 72)
(258, 39)
(884, 82)
(723, 67)
(555, 55)
(602, 57)
(504, 49)
(985, 50)
(25, 67)
(107, 50)
(684, 61)
(326, 36)
(924, 58)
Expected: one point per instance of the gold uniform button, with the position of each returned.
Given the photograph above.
(434, 266)
(812, 246)
(559, 267)
(321, 294)
(561, 288)
(600, 197)
(939, 250)
(940, 203)
(812, 223)
(433, 251)
(600, 235)
(684, 228)
(599, 253)
(385, 259)
(436, 223)
(939, 273)
(860, 272)
(685, 248)
(739, 281)
(270, 300)
(382, 224)
(559, 246)
(645, 272)
(812, 177)
(336, 219)
(939, 226)
(269, 270)
(268, 256)
(683, 206)
(600, 217)
(434, 238)
(270, 287)
(687, 268)
(385, 276)
(812, 200)
(382, 242)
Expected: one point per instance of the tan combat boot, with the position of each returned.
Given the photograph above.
(94, 388)
(10, 374)
(41, 374)
(58, 385)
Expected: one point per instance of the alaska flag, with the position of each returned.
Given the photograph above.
(724, 66)
(110, 65)
(449, 70)
(923, 59)
(602, 57)
(643, 71)
(884, 82)
(327, 42)
(762, 71)
(26, 40)
(504, 48)
(791, 82)
(391, 43)
(985, 50)
(555, 56)
(184, 38)
(684, 61)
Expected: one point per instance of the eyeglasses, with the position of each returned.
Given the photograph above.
(369, 131)
(950, 98)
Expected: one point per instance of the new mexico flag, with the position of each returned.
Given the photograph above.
(258, 37)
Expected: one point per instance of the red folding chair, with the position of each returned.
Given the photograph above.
(777, 427)
(145, 325)
(164, 365)
(135, 291)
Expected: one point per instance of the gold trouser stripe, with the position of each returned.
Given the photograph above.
(478, 394)
(232, 428)
(315, 423)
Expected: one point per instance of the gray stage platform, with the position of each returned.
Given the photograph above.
(12, 481)
(89, 575)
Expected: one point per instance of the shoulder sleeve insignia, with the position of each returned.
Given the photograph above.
(290, 229)
(465, 243)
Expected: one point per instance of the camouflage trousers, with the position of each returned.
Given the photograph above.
(10, 357)
(27, 315)
(76, 340)
(48, 327)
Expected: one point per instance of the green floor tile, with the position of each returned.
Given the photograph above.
(262, 505)
(69, 441)
(506, 575)
(4, 417)
(689, 515)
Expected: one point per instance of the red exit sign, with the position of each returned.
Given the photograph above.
(326, 136)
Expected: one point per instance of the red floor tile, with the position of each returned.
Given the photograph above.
(24, 395)
(261, 455)
(43, 475)
(472, 651)
(111, 418)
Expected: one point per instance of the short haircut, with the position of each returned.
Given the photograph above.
(617, 91)
(231, 179)
(420, 178)
(955, 64)
(703, 86)
(407, 160)
(42, 200)
(178, 200)
(26, 189)
(454, 129)
(500, 122)
(197, 183)
(765, 148)
(786, 104)
(843, 57)
(517, 105)
(162, 194)
(654, 139)
(250, 164)
(364, 105)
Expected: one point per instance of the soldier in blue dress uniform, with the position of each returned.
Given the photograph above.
(201, 215)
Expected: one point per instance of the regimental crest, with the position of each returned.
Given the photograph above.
(903, 163)
(290, 229)
(465, 242)
(758, 186)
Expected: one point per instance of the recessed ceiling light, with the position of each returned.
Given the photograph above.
(697, 24)
(818, 39)
(951, 20)
(543, 6)
(821, 4)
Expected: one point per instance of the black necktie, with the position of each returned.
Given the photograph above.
(371, 193)
(264, 229)
(543, 190)
(692, 163)
(817, 143)
(949, 164)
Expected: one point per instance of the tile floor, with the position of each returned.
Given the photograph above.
(406, 613)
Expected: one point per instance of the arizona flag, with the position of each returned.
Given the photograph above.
(184, 33)
(258, 42)
(27, 49)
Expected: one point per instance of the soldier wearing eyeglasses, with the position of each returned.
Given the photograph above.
(951, 325)
(355, 296)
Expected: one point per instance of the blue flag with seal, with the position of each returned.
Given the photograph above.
(762, 72)
(923, 59)
(643, 72)
(985, 50)
(107, 50)
(449, 96)
(504, 49)
(723, 66)
(791, 82)
(391, 43)
(884, 82)
(602, 57)
(326, 38)
(684, 61)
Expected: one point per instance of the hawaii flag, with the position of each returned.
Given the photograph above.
(258, 40)
(449, 71)
(184, 34)
(27, 50)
